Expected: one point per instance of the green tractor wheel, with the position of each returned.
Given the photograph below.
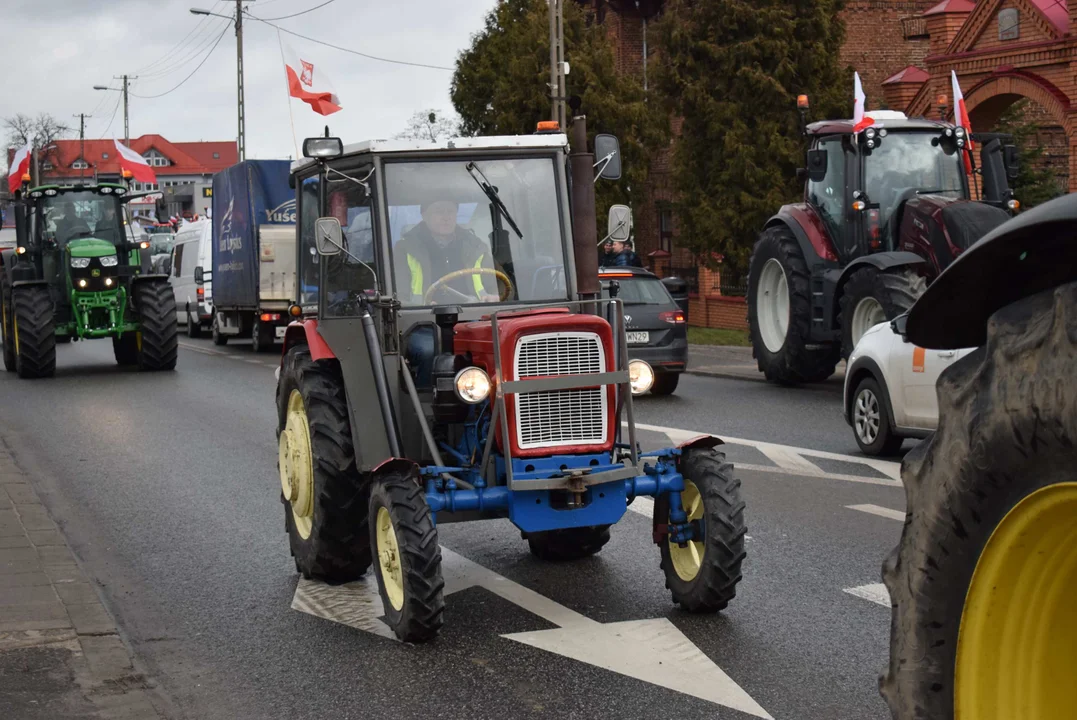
(7, 323)
(157, 338)
(35, 339)
(125, 348)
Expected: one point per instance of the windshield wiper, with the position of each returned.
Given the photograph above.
(491, 193)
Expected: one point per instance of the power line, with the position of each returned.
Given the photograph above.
(171, 53)
(197, 67)
(349, 50)
(304, 12)
(111, 119)
(195, 51)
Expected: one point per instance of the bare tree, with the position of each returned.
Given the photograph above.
(427, 125)
(42, 131)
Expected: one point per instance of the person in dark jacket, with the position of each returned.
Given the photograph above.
(619, 254)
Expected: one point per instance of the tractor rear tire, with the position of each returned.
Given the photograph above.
(965, 587)
(787, 360)
(891, 291)
(35, 355)
(125, 349)
(717, 570)
(568, 544)
(7, 323)
(337, 546)
(159, 348)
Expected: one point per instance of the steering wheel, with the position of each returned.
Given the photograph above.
(466, 272)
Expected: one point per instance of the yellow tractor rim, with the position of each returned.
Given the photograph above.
(1017, 644)
(392, 572)
(688, 560)
(296, 465)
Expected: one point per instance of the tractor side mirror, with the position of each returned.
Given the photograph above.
(607, 157)
(199, 276)
(817, 165)
(1010, 160)
(619, 227)
(898, 325)
(328, 237)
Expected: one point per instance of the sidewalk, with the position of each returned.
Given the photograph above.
(735, 362)
(60, 653)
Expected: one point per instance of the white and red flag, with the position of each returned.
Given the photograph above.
(20, 165)
(961, 119)
(309, 82)
(135, 164)
(860, 121)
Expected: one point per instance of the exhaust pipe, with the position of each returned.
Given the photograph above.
(584, 228)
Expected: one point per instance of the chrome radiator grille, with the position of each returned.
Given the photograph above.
(560, 417)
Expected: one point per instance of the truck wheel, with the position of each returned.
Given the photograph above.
(325, 496)
(259, 340)
(983, 581)
(871, 297)
(871, 420)
(665, 383)
(703, 574)
(35, 339)
(215, 329)
(779, 312)
(568, 544)
(408, 557)
(125, 348)
(194, 327)
(7, 323)
(158, 347)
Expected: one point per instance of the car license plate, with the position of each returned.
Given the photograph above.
(281, 329)
(638, 338)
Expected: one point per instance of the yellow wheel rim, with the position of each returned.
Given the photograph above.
(688, 560)
(1017, 644)
(296, 465)
(392, 573)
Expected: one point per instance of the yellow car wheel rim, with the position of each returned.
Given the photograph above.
(392, 572)
(296, 465)
(688, 560)
(1017, 644)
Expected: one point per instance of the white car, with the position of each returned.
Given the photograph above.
(890, 388)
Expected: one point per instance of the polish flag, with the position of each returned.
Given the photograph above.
(310, 84)
(20, 165)
(135, 164)
(859, 120)
(961, 119)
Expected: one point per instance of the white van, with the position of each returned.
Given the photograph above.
(191, 276)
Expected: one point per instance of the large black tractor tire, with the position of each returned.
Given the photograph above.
(568, 544)
(159, 346)
(336, 547)
(125, 349)
(891, 291)
(408, 556)
(35, 345)
(983, 581)
(788, 361)
(704, 579)
(7, 323)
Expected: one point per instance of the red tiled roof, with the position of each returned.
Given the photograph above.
(911, 74)
(1056, 12)
(189, 158)
(954, 6)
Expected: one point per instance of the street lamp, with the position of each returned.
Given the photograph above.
(125, 78)
(238, 19)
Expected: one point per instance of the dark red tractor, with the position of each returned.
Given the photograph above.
(885, 211)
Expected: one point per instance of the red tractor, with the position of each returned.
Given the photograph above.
(885, 211)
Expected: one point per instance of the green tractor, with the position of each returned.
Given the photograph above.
(76, 274)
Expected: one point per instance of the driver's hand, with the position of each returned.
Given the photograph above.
(487, 297)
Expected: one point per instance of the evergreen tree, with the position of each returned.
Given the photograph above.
(1036, 180)
(731, 69)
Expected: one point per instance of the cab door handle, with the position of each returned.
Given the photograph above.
(947, 353)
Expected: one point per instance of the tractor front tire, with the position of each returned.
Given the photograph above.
(703, 574)
(983, 581)
(159, 346)
(35, 344)
(568, 544)
(7, 323)
(779, 312)
(125, 349)
(880, 295)
(408, 557)
(325, 496)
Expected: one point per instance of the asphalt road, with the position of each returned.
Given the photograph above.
(166, 488)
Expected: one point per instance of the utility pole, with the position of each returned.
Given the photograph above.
(126, 125)
(557, 63)
(239, 72)
(82, 142)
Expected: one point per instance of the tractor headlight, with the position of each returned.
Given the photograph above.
(80, 263)
(83, 283)
(109, 261)
(959, 132)
(472, 385)
(640, 376)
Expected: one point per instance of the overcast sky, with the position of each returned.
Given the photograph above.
(55, 52)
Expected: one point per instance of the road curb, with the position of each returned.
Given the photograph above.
(53, 624)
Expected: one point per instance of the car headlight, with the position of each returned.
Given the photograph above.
(80, 263)
(109, 261)
(640, 376)
(472, 385)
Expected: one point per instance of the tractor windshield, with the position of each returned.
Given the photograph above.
(69, 216)
(454, 242)
(907, 163)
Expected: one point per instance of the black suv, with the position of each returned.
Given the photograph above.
(655, 324)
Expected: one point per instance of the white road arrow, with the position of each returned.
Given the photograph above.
(653, 651)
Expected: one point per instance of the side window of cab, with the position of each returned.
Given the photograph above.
(309, 261)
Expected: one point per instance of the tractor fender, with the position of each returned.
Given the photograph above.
(148, 277)
(394, 464)
(705, 442)
(808, 228)
(879, 261)
(26, 283)
(305, 332)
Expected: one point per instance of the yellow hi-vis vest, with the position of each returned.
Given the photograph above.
(416, 268)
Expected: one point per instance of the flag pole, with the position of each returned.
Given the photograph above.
(288, 95)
